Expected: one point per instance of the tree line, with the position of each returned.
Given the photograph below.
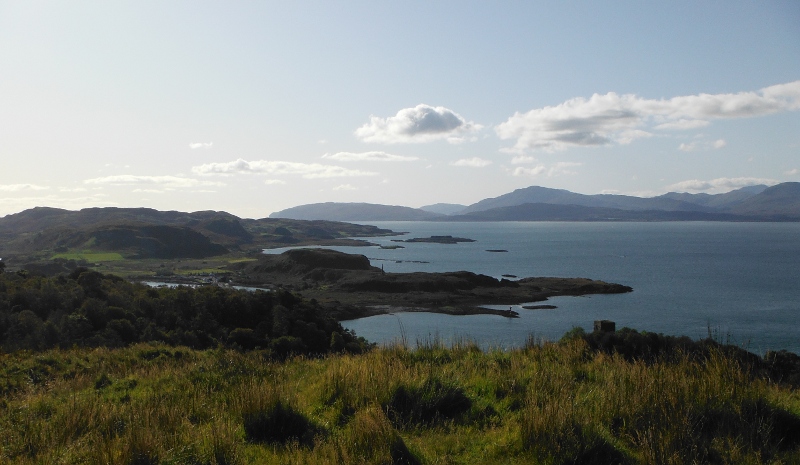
(88, 309)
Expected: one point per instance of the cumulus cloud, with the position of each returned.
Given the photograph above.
(272, 182)
(792, 172)
(169, 182)
(306, 170)
(345, 187)
(719, 143)
(367, 156)
(201, 145)
(621, 119)
(422, 123)
(530, 172)
(473, 162)
(21, 187)
(719, 184)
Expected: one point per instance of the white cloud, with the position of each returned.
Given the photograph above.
(628, 136)
(367, 156)
(683, 124)
(702, 145)
(174, 182)
(345, 187)
(272, 182)
(619, 119)
(792, 172)
(306, 170)
(422, 123)
(521, 159)
(535, 171)
(719, 184)
(556, 169)
(562, 167)
(473, 162)
(201, 145)
(21, 187)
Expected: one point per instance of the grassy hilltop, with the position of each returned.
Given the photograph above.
(96, 369)
(568, 402)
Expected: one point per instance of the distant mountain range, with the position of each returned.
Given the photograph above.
(753, 203)
(333, 211)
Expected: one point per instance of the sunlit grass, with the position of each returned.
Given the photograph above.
(554, 403)
(90, 256)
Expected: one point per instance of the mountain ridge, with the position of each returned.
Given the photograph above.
(780, 202)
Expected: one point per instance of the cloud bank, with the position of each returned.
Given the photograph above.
(167, 182)
(422, 123)
(306, 170)
(473, 162)
(620, 119)
(367, 156)
(21, 187)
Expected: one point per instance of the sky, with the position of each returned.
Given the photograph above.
(254, 107)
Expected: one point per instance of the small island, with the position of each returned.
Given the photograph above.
(436, 240)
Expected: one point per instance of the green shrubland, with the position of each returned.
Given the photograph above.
(94, 369)
(553, 403)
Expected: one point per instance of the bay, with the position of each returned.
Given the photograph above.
(738, 281)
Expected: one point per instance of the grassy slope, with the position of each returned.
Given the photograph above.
(556, 403)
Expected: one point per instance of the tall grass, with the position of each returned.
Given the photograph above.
(549, 403)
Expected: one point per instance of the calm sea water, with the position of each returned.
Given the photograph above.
(741, 281)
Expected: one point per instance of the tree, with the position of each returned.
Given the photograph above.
(2, 266)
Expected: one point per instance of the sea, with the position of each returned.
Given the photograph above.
(736, 282)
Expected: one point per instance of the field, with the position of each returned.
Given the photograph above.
(90, 256)
(553, 403)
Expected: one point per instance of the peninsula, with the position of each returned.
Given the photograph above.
(352, 288)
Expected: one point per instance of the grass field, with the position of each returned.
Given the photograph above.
(90, 256)
(552, 404)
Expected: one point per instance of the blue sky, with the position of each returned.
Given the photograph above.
(252, 107)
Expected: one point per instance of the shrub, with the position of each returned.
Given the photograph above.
(277, 422)
(428, 403)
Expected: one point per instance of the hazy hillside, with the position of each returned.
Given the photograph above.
(554, 212)
(722, 201)
(536, 194)
(354, 212)
(444, 208)
(752, 203)
(782, 200)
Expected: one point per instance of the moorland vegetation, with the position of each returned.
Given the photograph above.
(108, 371)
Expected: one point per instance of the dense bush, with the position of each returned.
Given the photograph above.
(89, 309)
